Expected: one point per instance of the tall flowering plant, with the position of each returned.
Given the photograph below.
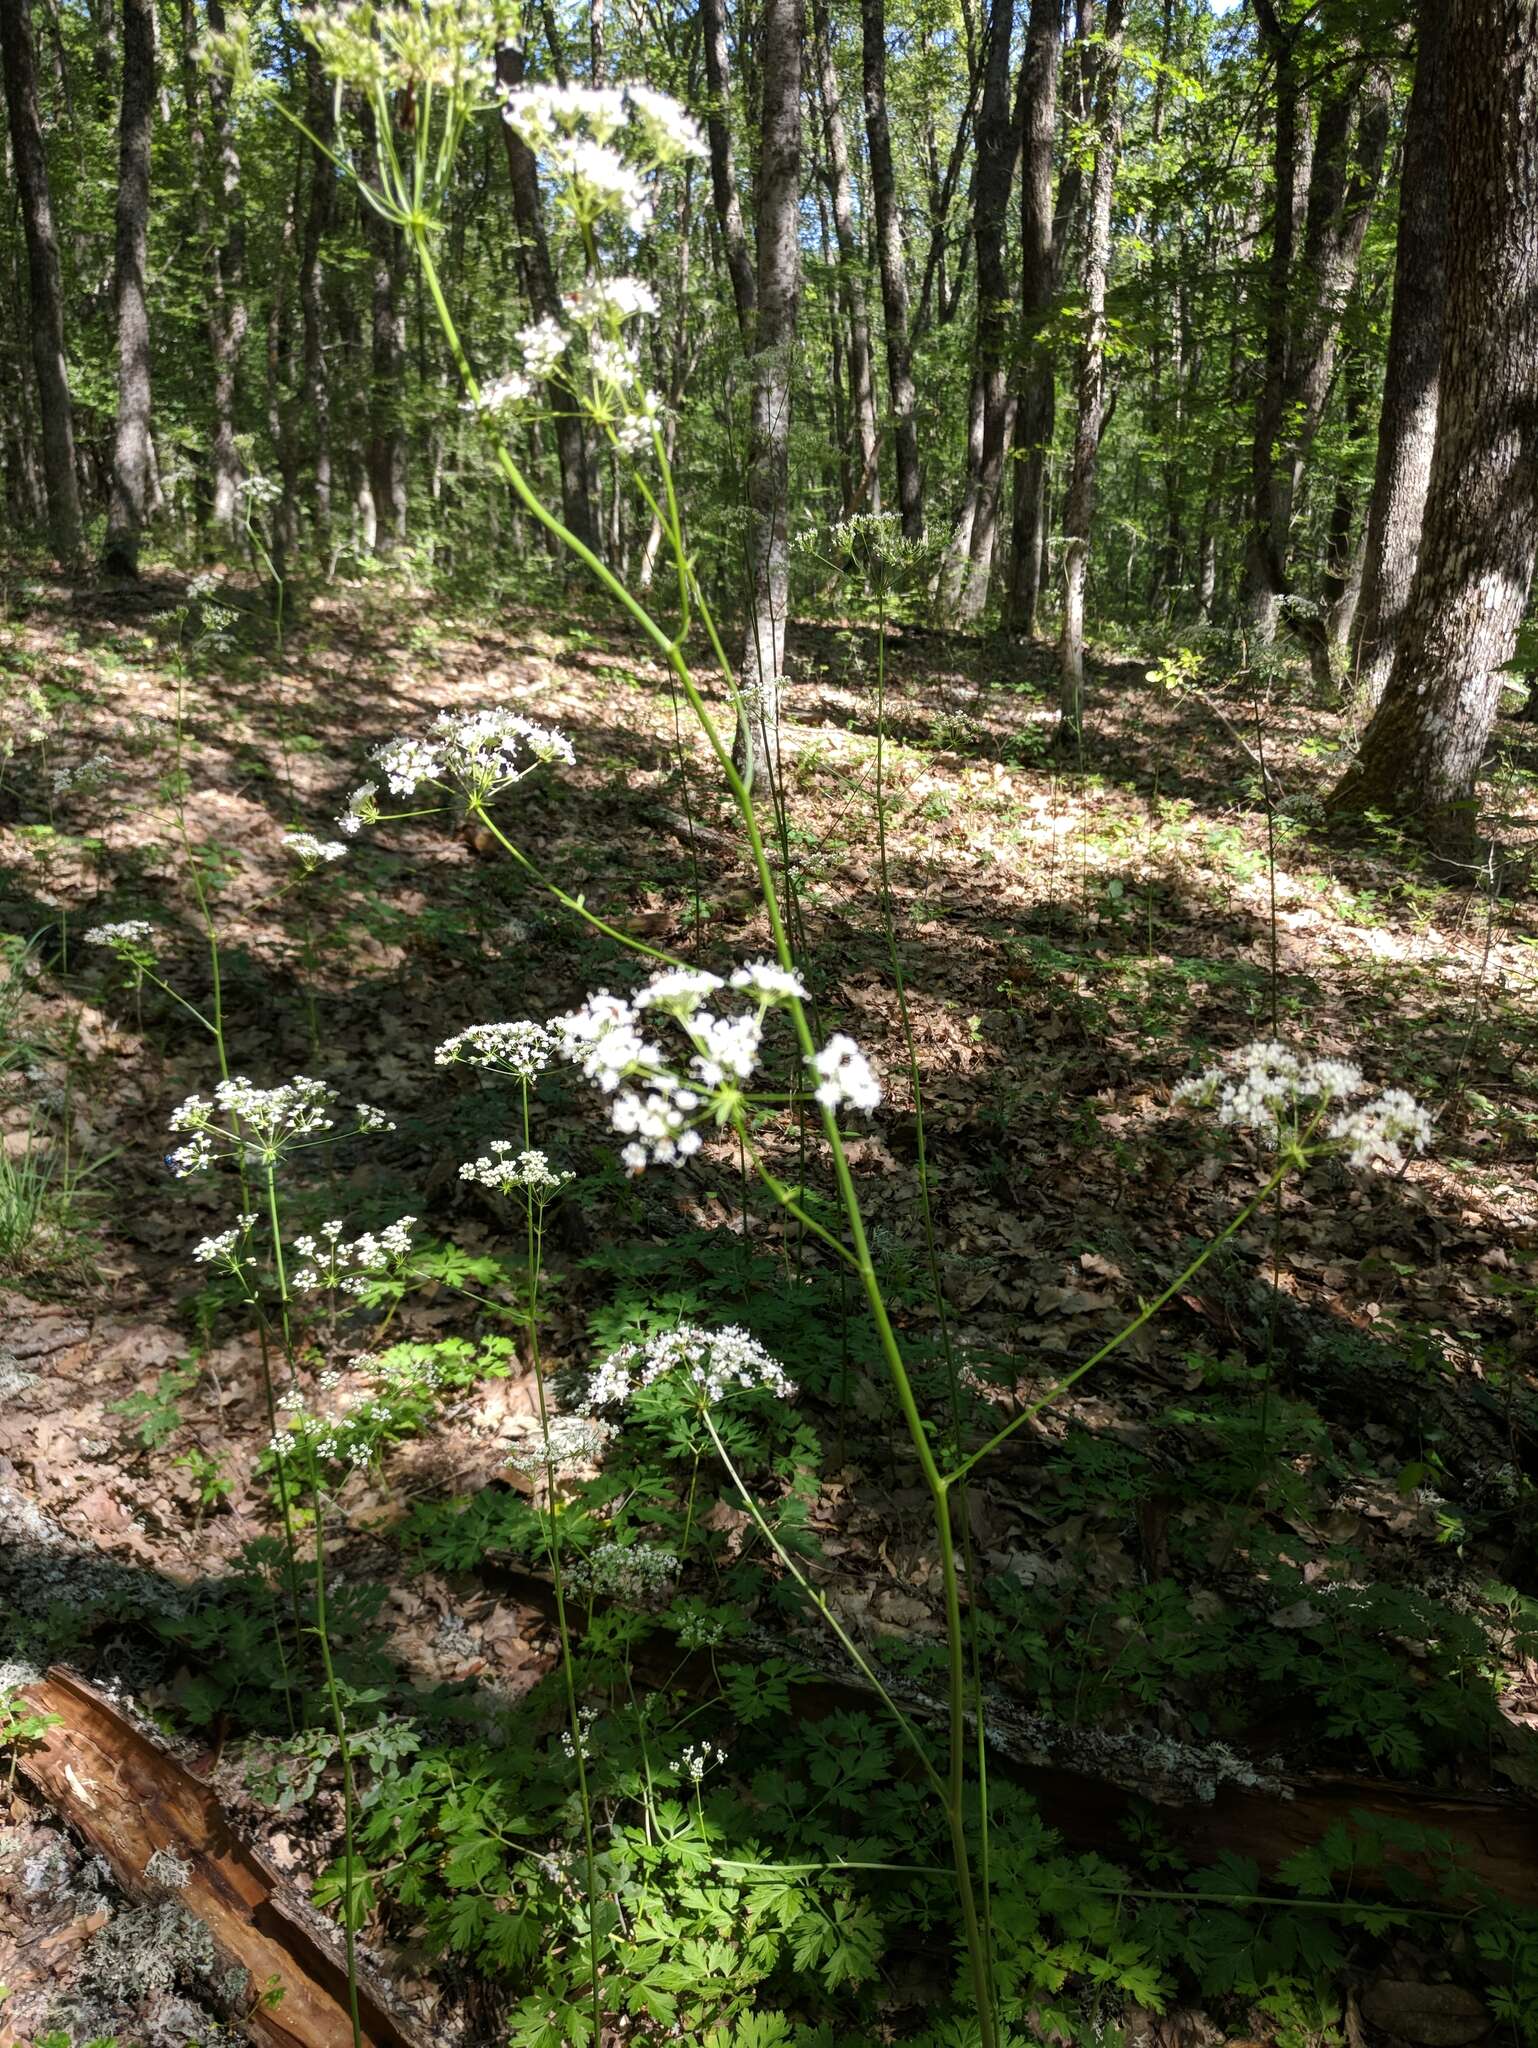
(684, 1055)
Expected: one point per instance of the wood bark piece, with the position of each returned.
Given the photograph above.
(127, 1798)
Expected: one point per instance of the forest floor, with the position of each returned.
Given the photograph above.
(1075, 939)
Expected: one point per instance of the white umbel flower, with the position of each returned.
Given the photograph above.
(844, 1075)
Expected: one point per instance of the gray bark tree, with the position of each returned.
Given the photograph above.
(127, 505)
(1408, 419)
(1421, 754)
(778, 289)
(1036, 403)
(1089, 421)
(865, 481)
(894, 271)
(45, 288)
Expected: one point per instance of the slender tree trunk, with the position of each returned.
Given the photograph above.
(1079, 512)
(228, 314)
(1407, 425)
(894, 270)
(1421, 754)
(317, 225)
(385, 448)
(1303, 311)
(723, 174)
(774, 338)
(127, 506)
(44, 284)
(865, 483)
(1038, 380)
(998, 143)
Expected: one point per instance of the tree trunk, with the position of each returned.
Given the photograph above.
(865, 486)
(317, 224)
(778, 294)
(1303, 310)
(723, 175)
(894, 270)
(545, 301)
(131, 442)
(44, 285)
(1038, 382)
(1408, 422)
(1079, 511)
(998, 141)
(1421, 754)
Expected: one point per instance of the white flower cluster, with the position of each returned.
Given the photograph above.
(229, 1247)
(447, 45)
(312, 853)
(599, 144)
(656, 1107)
(606, 376)
(571, 1747)
(132, 935)
(1269, 1089)
(351, 1268)
(637, 1573)
(698, 1759)
(710, 1363)
(844, 1075)
(501, 1171)
(259, 1124)
(362, 809)
(567, 1442)
(522, 1050)
(90, 773)
(477, 753)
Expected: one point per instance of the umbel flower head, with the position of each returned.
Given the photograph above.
(708, 1364)
(502, 1170)
(1284, 1099)
(312, 853)
(332, 1265)
(132, 936)
(471, 754)
(520, 1050)
(261, 1125)
(661, 1100)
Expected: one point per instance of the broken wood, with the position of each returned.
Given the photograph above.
(128, 1799)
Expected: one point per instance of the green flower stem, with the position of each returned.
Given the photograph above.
(349, 1790)
(1145, 1314)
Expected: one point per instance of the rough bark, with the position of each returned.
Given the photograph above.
(1408, 421)
(1079, 510)
(894, 271)
(768, 481)
(228, 316)
(865, 480)
(127, 506)
(998, 143)
(1037, 383)
(544, 297)
(723, 174)
(1421, 754)
(44, 285)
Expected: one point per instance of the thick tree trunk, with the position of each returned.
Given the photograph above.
(1079, 511)
(894, 270)
(865, 479)
(723, 174)
(1421, 754)
(778, 293)
(127, 506)
(544, 296)
(1408, 422)
(44, 285)
(1038, 380)
(998, 142)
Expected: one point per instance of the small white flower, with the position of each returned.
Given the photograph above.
(543, 345)
(638, 1573)
(513, 388)
(1381, 1132)
(501, 1170)
(362, 809)
(770, 982)
(844, 1075)
(312, 853)
(523, 1049)
(569, 1441)
(711, 1363)
(131, 935)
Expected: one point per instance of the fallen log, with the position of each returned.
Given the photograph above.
(1090, 1783)
(130, 1801)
